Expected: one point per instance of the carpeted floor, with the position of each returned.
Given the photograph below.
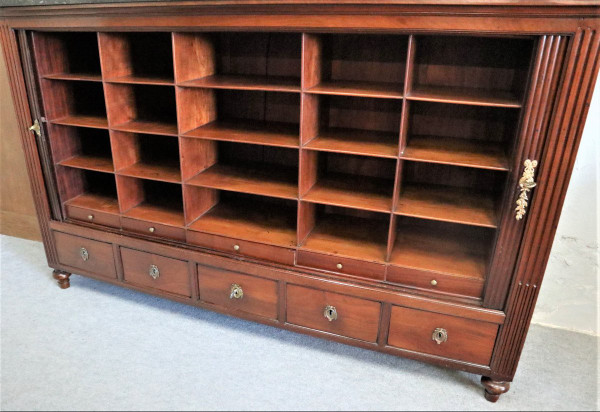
(96, 347)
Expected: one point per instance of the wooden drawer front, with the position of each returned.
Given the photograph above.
(143, 227)
(356, 318)
(467, 340)
(172, 276)
(250, 249)
(99, 218)
(443, 283)
(97, 258)
(259, 295)
(348, 266)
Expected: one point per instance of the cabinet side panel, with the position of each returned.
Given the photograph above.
(556, 166)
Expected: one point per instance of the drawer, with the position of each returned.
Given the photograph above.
(236, 291)
(435, 281)
(352, 317)
(341, 265)
(242, 247)
(89, 255)
(153, 229)
(158, 272)
(466, 340)
(93, 216)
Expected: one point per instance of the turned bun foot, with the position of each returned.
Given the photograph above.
(62, 278)
(493, 389)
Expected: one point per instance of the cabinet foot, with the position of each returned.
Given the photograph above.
(62, 278)
(493, 389)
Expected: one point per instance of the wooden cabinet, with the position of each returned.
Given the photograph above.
(386, 175)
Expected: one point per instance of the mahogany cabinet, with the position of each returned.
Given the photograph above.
(384, 174)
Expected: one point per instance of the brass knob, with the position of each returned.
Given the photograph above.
(236, 247)
(236, 292)
(154, 272)
(151, 230)
(440, 335)
(339, 266)
(84, 254)
(330, 313)
(90, 217)
(433, 282)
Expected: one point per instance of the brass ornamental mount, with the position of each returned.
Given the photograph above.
(439, 336)
(330, 313)
(526, 183)
(154, 272)
(236, 292)
(35, 127)
(84, 254)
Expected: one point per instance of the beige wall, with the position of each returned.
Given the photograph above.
(17, 212)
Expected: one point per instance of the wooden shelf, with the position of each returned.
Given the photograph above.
(164, 173)
(97, 122)
(458, 152)
(244, 131)
(142, 79)
(359, 89)
(463, 95)
(88, 77)
(355, 141)
(448, 204)
(451, 249)
(88, 162)
(150, 127)
(93, 201)
(353, 237)
(250, 221)
(151, 212)
(253, 179)
(352, 191)
(246, 82)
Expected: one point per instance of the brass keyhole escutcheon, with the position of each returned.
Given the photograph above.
(236, 292)
(154, 272)
(84, 254)
(440, 335)
(330, 313)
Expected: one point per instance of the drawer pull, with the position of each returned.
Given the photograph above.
(440, 335)
(154, 272)
(236, 247)
(90, 217)
(330, 313)
(84, 254)
(339, 266)
(236, 291)
(151, 230)
(433, 282)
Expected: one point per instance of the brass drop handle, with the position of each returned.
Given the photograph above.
(526, 183)
(153, 272)
(439, 336)
(84, 254)
(236, 291)
(330, 313)
(35, 128)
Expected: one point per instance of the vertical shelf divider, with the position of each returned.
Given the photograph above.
(408, 75)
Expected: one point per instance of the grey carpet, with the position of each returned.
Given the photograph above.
(96, 347)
